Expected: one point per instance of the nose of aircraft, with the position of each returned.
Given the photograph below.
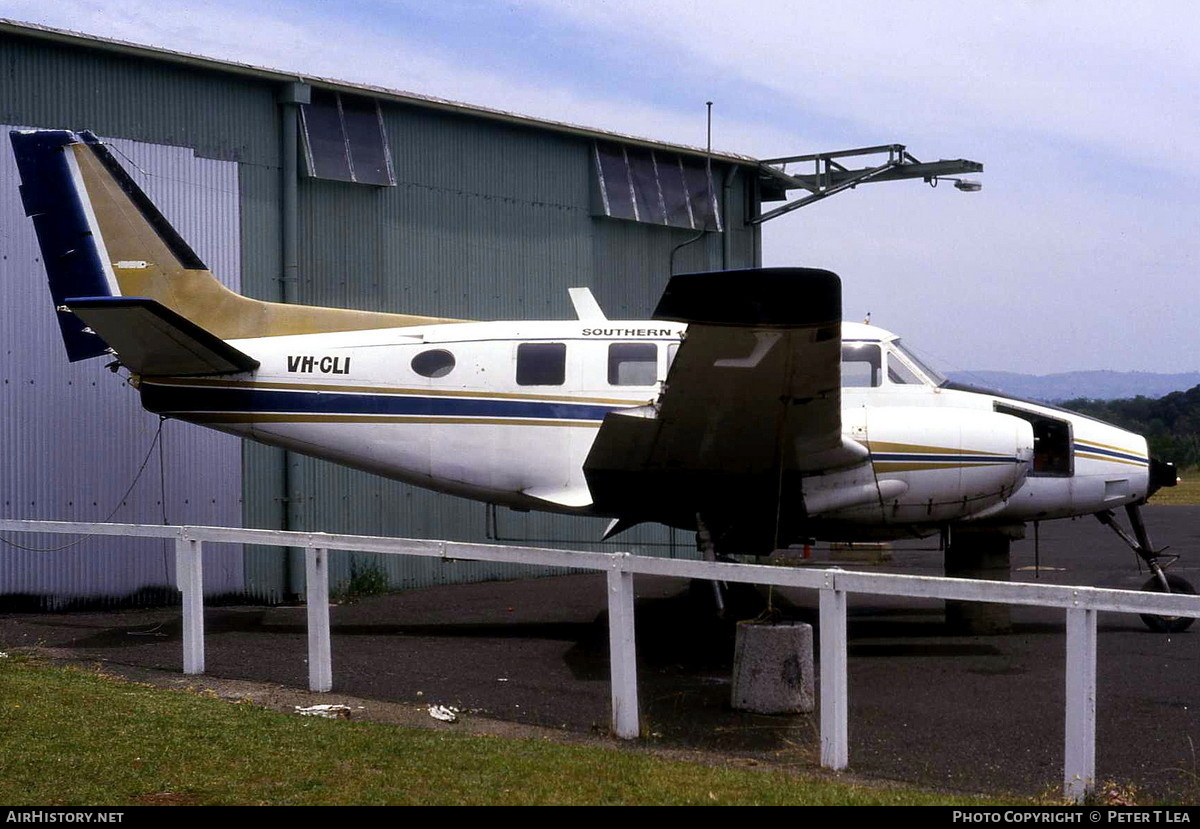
(1162, 473)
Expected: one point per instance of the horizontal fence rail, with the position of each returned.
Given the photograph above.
(1080, 603)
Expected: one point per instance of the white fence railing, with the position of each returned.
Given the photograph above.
(1081, 605)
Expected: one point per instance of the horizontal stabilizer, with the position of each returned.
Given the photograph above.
(153, 340)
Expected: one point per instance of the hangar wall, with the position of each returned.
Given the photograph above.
(76, 443)
(488, 219)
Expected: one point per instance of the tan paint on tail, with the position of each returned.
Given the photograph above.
(197, 294)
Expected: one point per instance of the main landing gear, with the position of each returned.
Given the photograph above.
(1160, 581)
(704, 541)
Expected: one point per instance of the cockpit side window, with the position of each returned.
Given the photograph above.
(862, 365)
(901, 373)
(916, 362)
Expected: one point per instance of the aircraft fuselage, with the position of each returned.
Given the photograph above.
(507, 412)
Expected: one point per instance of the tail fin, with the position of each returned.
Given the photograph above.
(72, 248)
(101, 236)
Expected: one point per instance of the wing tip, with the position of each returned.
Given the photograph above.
(754, 297)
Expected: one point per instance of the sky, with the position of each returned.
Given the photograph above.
(1078, 253)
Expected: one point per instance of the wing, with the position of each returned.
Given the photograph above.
(752, 403)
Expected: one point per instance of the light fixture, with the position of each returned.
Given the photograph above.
(966, 185)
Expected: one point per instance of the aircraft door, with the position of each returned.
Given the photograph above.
(1052, 455)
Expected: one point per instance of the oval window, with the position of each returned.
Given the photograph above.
(435, 363)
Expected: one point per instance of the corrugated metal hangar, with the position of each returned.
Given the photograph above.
(320, 192)
(315, 191)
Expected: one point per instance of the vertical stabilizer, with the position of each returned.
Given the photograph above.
(101, 236)
(72, 247)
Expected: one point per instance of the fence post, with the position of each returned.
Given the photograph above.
(1079, 766)
(622, 652)
(189, 576)
(320, 655)
(835, 741)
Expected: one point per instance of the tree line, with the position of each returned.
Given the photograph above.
(1171, 423)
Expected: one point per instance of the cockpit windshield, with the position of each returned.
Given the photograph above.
(862, 365)
(873, 364)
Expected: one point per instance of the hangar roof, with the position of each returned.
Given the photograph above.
(79, 39)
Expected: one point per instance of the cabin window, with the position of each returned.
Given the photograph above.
(541, 364)
(632, 364)
(436, 362)
(344, 139)
(1052, 454)
(861, 365)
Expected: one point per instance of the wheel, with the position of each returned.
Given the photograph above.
(1168, 624)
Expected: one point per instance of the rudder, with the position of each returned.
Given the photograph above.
(73, 252)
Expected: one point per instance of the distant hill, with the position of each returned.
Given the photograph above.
(1071, 385)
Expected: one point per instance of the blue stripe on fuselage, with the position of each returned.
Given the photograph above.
(1111, 453)
(172, 399)
(942, 458)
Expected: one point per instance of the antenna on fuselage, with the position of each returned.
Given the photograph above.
(708, 187)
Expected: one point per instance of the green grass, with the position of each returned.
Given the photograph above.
(70, 737)
(1185, 493)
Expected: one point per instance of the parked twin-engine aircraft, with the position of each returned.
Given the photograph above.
(744, 410)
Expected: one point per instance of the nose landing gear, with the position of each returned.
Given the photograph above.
(1160, 581)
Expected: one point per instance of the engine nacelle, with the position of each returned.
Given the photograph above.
(932, 465)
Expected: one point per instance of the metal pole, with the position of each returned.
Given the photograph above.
(189, 574)
(291, 97)
(622, 652)
(1079, 766)
(320, 654)
(835, 741)
(726, 206)
(708, 172)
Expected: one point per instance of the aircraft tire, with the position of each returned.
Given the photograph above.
(1168, 624)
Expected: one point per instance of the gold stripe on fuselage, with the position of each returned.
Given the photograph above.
(427, 392)
(1097, 444)
(252, 418)
(916, 449)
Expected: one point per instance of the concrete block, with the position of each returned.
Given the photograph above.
(773, 668)
(979, 555)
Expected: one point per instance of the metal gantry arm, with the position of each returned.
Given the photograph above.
(830, 176)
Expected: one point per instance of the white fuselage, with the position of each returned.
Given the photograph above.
(507, 412)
